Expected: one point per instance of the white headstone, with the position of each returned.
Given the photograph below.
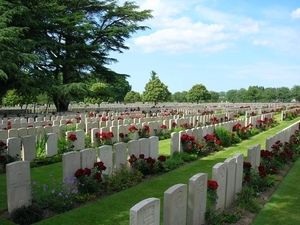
(153, 144)
(120, 156)
(88, 158)
(28, 148)
(197, 199)
(106, 156)
(71, 163)
(230, 183)
(146, 212)
(238, 173)
(18, 185)
(219, 175)
(134, 148)
(144, 147)
(51, 145)
(14, 146)
(175, 205)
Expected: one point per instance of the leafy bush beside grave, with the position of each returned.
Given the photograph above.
(5, 158)
(209, 144)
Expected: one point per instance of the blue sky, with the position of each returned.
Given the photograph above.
(223, 45)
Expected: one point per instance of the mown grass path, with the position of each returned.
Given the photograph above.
(115, 208)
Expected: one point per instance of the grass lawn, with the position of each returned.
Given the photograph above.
(115, 208)
(283, 207)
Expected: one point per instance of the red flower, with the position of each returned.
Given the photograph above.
(150, 160)
(132, 159)
(162, 158)
(79, 173)
(2, 159)
(2, 144)
(184, 137)
(247, 165)
(72, 137)
(247, 178)
(142, 156)
(98, 177)
(100, 165)
(262, 174)
(132, 128)
(147, 128)
(87, 171)
(121, 135)
(212, 184)
(163, 127)
(261, 168)
(69, 122)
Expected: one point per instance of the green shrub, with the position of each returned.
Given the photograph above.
(247, 200)
(122, 179)
(235, 139)
(186, 157)
(173, 162)
(224, 135)
(254, 131)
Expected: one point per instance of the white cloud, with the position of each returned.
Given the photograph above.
(296, 14)
(182, 36)
(248, 26)
(258, 42)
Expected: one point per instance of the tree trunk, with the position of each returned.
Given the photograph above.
(61, 103)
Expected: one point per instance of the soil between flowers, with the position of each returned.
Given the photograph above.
(246, 217)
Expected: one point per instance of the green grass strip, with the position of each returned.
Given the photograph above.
(283, 206)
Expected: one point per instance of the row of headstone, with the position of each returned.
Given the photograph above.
(98, 123)
(199, 133)
(113, 157)
(284, 113)
(26, 146)
(180, 107)
(186, 204)
(283, 135)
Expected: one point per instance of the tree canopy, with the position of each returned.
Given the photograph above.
(54, 44)
(198, 93)
(156, 91)
(132, 96)
(295, 92)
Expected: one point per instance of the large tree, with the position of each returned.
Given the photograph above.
(254, 93)
(15, 53)
(241, 95)
(284, 94)
(72, 40)
(198, 93)
(214, 96)
(295, 92)
(179, 96)
(156, 91)
(132, 96)
(270, 94)
(231, 95)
